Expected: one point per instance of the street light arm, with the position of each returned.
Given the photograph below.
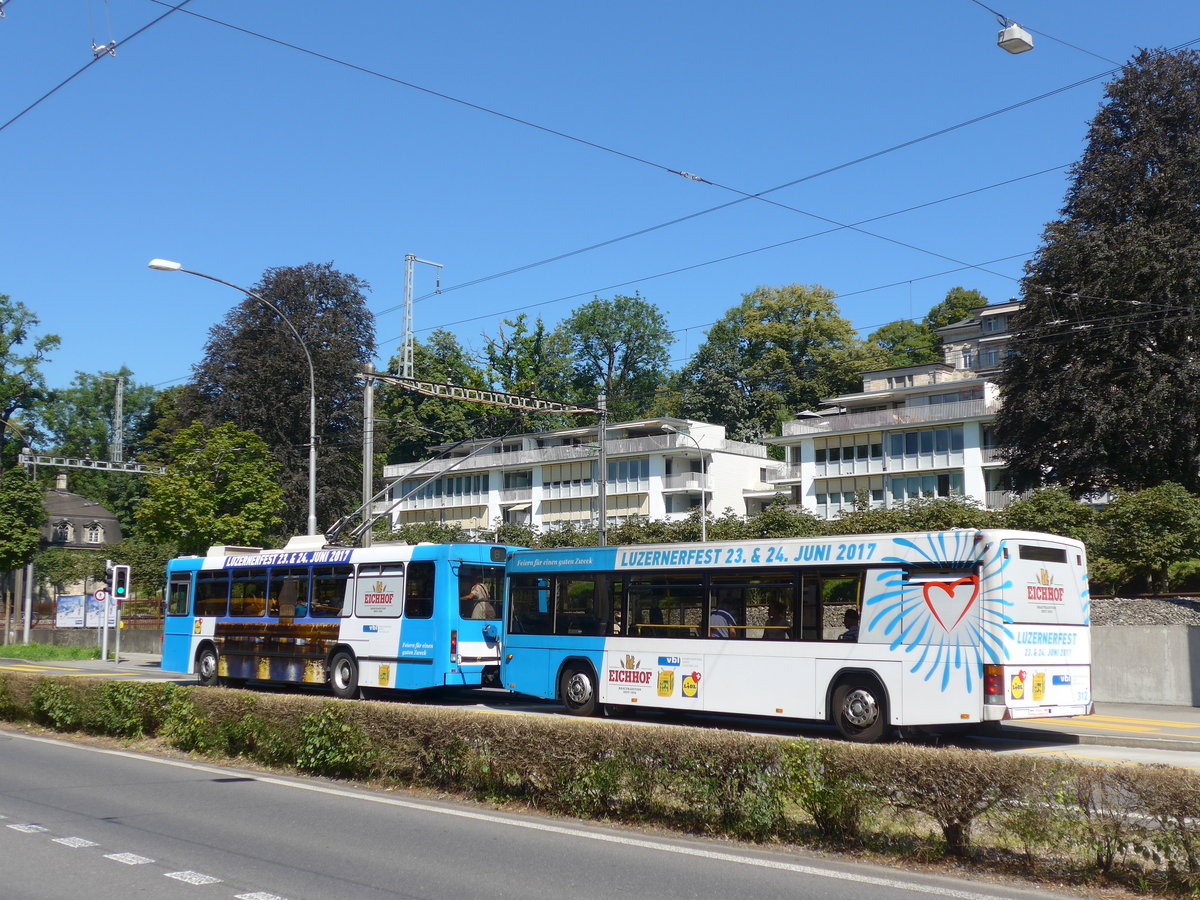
(166, 265)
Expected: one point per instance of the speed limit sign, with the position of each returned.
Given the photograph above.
(101, 594)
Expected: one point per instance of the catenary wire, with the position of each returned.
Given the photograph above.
(95, 59)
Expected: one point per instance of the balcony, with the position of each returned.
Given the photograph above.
(687, 481)
(516, 495)
(892, 418)
(1000, 499)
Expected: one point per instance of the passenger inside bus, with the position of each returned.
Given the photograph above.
(850, 620)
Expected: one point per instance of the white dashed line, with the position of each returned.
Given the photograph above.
(257, 895)
(130, 859)
(75, 842)
(28, 829)
(193, 877)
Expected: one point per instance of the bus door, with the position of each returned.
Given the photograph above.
(177, 625)
(377, 632)
(478, 603)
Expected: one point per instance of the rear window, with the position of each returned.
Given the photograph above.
(1042, 554)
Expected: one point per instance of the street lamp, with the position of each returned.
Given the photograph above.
(166, 265)
(671, 429)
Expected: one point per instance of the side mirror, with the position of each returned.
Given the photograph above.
(490, 633)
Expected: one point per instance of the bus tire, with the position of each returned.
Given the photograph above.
(860, 709)
(343, 676)
(577, 688)
(206, 666)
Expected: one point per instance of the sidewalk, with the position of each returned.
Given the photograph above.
(1143, 725)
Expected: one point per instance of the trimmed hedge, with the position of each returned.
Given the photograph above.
(1090, 824)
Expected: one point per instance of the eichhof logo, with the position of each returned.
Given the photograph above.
(378, 594)
(629, 671)
(1044, 590)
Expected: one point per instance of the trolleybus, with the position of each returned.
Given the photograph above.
(868, 632)
(391, 616)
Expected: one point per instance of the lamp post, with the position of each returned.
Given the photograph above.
(671, 429)
(166, 265)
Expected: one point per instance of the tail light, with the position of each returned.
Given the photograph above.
(454, 646)
(993, 684)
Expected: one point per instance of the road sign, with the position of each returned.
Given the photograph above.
(101, 594)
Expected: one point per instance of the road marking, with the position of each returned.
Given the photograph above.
(1158, 723)
(257, 895)
(545, 827)
(191, 877)
(75, 842)
(28, 829)
(130, 859)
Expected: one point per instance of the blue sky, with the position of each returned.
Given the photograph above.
(232, 153)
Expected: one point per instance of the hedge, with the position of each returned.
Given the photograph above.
(1043, 817)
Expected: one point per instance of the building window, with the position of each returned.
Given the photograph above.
(994, 324)
(95, 533)
(64, 533)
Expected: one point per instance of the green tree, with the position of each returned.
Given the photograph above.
(530, 362)
(1144, 532)
(22, 384)
(782, 350)
(79, 422)
(621, 347)
(901, 343)
(959, 303)
(1103, 391)
(254, 376)
(22, 512)
(221, 487)
(1054, 511)
(414, 421)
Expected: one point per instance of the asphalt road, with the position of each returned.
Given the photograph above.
(112, 825)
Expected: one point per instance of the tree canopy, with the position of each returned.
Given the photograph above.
(1103, 391)
(780, 351)
(22, 384)
(221, 487)
(254, 376)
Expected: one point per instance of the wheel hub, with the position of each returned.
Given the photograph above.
(861, 708)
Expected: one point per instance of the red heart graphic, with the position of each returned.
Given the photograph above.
(951, 590)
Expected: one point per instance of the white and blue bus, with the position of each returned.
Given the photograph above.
(868, 632)
(391, 616)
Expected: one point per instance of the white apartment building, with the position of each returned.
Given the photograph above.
(659, 468)
(914, 431)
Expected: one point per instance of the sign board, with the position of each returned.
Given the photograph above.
(101, 594)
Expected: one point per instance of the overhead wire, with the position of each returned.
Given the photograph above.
(95, 59)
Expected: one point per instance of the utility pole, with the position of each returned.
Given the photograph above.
(368, 461)
(116, 450)
(602, 485)
(406, 351)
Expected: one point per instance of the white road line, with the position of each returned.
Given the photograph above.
(28, 829)
(583, 833)
(130, 859)
(75, 842)
(257, 895)
(191, 877)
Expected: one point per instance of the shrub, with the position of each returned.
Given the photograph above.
(826, 781)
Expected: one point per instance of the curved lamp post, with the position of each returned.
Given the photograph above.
(671, 429)
(166, 265)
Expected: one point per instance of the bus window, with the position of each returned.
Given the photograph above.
(575, 605)
(614, 589)
(666, 606)
(330, 592)
(288, 596)
(839, 595)
(479, 591)
(763, 604)
(177, 595)
(212, 593)
(530, 599)
(418, 591)
(248, 592)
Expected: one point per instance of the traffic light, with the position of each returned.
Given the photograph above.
(120, 582)
(108, 579)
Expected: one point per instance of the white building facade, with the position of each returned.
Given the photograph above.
(661, 468)
(915, 431)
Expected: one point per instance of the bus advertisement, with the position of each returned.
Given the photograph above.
(870, 633)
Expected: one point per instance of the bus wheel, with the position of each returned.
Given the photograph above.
(578, 691)
(343, 676)
(206, 667)
(859, 710)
